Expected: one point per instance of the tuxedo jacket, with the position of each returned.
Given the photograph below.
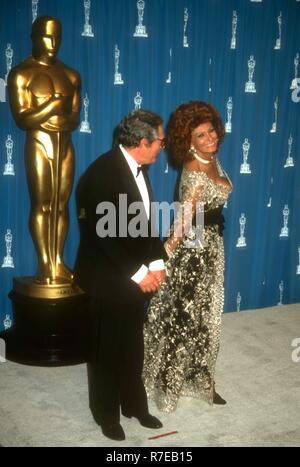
(104, 265)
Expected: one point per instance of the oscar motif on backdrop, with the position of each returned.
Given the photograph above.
(289, 160)
(118, 76)
(284, 232)
(228, 125)
(245, 167)
(87, 29)
(8, 261)
(140, 29)
(85, 124)
(185, 23)
(234, 27)
(274, 125)
(242, 240)
(250, 85)
(9, 166)
(34, 9)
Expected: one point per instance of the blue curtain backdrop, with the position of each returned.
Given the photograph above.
(195, 49)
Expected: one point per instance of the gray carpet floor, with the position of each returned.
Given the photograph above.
(255, 374)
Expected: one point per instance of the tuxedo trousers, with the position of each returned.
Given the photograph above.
(116, 360)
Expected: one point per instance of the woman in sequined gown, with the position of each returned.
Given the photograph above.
(182, 331)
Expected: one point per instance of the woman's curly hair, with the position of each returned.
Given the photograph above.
(182, 123)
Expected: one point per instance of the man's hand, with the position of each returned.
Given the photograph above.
(149, 283)
(160, 276)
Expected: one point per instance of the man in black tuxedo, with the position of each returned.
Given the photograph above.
(120, 263)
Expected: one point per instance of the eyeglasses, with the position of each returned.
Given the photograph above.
(162, 142)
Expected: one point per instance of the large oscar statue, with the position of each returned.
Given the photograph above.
(44, 93)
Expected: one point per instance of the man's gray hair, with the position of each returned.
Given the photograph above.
(136, 125)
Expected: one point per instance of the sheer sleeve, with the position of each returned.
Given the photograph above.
(192, 195)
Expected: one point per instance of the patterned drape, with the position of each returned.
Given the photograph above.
(240, 55)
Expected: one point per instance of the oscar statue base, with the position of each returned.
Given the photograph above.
(48, 332)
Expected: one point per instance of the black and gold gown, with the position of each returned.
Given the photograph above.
(182, 329)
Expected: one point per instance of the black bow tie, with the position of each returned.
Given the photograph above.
(141, 168)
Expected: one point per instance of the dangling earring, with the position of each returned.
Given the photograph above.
(192, 150)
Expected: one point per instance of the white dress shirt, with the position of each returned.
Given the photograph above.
(158, 264)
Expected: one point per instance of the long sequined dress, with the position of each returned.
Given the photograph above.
(182, 330)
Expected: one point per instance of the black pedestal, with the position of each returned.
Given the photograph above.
(48, 332)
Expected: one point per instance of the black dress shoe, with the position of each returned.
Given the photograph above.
(147, 420)
(114, 431)
(218, 400)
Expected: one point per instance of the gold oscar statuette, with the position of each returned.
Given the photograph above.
(45, 101)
